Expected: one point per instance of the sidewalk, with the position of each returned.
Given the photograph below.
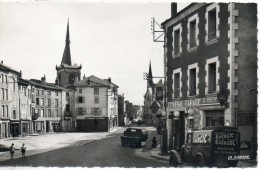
(155, 153)
(49, 141)
(148, 152)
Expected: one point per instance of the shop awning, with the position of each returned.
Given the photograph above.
(48, 119)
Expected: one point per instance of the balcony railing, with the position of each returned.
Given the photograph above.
(68, 114)
(212, 35)
(212, 89)
(35, 116)
(176, 50)
(99, 113)
(192, 92)
(193, 43)
(176, 93)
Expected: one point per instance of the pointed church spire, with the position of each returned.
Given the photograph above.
(150, 76)
(66, 59)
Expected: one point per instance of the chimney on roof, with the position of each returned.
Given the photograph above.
(109, 79)
(43, 79)
(20, 73)
(84, 76)
(173, 9)
(2, 62)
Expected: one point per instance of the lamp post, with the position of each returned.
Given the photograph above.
(163, 134)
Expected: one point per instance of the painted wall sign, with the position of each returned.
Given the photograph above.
(193, 103)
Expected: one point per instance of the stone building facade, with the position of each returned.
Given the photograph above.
(96, 105)
(211, 53)
(10, 124)
(48, 103)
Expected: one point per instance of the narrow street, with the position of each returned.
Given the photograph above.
(106, 152)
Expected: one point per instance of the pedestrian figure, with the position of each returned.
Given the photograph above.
(23, 150)
(12, 150)
(154, 142)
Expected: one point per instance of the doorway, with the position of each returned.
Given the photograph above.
(47, 126)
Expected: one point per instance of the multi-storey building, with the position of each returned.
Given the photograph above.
(25, 104)
(29, 106)
(10, 124)
(211, 69)
(48, 103)
(96, 104)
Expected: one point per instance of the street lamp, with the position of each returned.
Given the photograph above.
(176, 115)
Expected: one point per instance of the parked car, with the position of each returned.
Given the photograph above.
(212, 147)
(134, 137)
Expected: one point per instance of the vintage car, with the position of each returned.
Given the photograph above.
(134, 137)
(213, 147)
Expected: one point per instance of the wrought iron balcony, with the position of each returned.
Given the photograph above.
(177, 50)
(193, 43)
(35, 116)
(68, 114)
(212, 35)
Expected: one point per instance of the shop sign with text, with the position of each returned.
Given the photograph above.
(193, 102)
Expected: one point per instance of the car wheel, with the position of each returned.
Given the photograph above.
(123, 144)
(172, 162)
(198, 161)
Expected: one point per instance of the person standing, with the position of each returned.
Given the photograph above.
(12, 151)
(23, 150)
(154, 142)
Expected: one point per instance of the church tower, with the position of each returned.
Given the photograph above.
(67, 73)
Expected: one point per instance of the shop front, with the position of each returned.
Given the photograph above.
(113, 122)
(92, 124)
(4, 129)
(25, 127)
(15, 128)
(38, 126)
(67, 124)
(193, 114)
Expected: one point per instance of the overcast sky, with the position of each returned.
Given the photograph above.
(107, 39)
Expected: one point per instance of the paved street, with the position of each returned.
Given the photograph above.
(106, 152)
